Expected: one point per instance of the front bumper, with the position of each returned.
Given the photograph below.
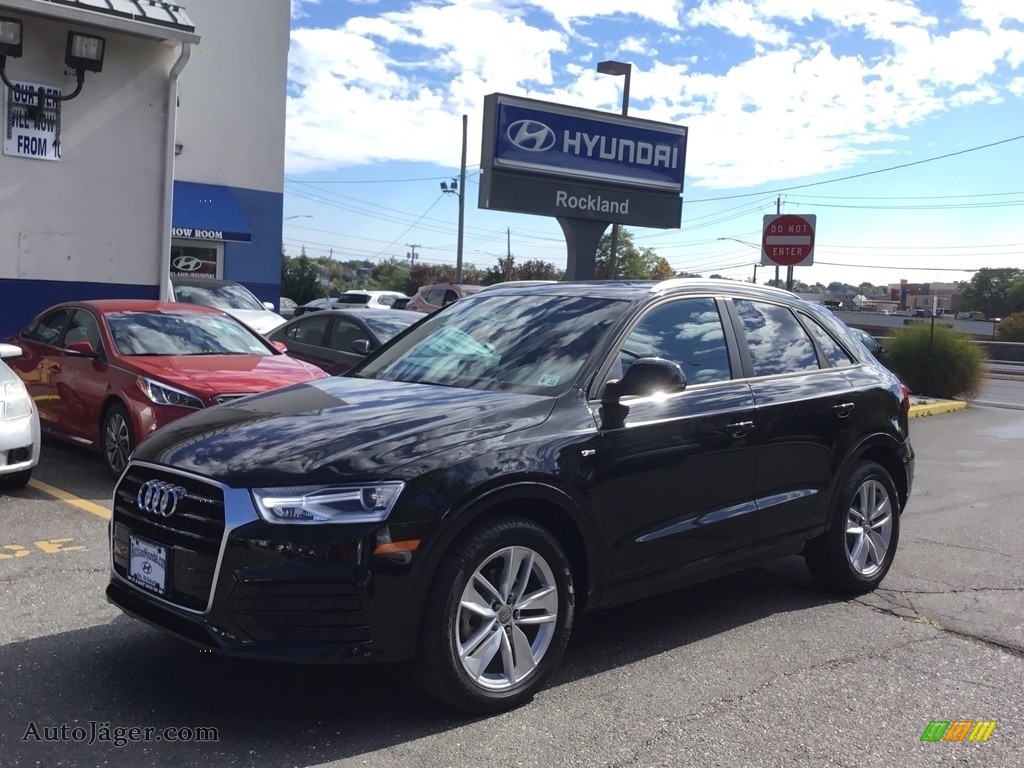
(237, 584)
(19, 443)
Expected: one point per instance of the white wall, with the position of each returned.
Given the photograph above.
(231, 119)
(95, 215)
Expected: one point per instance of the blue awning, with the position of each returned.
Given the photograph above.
(207, 212)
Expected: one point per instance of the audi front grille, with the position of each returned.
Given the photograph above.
(181, 513)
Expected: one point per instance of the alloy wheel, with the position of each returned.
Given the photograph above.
(869, 528)
(506, 618)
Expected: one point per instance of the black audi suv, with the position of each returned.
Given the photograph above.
(520, 456)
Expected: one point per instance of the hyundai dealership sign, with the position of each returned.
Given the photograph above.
(556, 160)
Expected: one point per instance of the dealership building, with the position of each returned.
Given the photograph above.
(139, 138)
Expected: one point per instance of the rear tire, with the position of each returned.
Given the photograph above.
(117, 438)
(855, 552)
(498, 617)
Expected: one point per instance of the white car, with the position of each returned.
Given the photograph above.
(234, 298)
(19, 426)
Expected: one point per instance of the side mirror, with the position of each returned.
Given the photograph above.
(361, 346)
(647, 376)
(644, 377)
(280, 346)
(81, 349)
(268, 305)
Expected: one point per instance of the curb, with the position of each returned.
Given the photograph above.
(939, 406)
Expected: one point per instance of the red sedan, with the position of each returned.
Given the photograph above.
(105, 374)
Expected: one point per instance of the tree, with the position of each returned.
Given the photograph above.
(631, 263)
(300, 278)
(996, 292)
(1011, 328)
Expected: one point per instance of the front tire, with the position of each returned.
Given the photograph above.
(16, 480)
(498, 617)
(117, 437)
(857, 549)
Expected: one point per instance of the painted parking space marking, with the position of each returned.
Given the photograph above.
(75, 501)
(46, 546)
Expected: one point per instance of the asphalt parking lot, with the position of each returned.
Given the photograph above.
(759, 668)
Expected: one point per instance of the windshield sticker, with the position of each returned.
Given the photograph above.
(548, 380)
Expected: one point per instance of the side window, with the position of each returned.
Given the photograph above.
(776, 340)
(344, 333)
(49, 328)
(450, 296)
(835, 354)
(689, 332)
(311, 330)
(83, 327)
(434, 297)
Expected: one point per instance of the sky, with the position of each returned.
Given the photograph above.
(899, 124)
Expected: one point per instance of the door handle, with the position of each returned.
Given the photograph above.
(740, 428)
(843, 409)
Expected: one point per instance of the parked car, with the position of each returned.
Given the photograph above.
(19, 425)
(287, 308)
(337, 340)
(874, 346)
(430, 298)
(105, 374)
(371, 298)
(514, 459)
(234, 298)
(312, 306)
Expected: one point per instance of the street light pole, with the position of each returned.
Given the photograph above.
(625, 69)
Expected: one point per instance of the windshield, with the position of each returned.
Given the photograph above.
(219, 296)
(530, 344)
(192, 333)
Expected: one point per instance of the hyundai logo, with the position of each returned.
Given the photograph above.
(188, 263)
(159, 498)
(531, 136)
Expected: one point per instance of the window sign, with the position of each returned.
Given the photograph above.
(30, 131)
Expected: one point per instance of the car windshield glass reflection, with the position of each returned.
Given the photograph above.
(530, 344)
(220, 296)
(152, 333)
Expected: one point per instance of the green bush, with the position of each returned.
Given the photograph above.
(947, 365)
(1011, 328)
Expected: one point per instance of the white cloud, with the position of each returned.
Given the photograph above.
(812, 97)
(298, 9)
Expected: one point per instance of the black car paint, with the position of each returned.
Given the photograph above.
(468, 453)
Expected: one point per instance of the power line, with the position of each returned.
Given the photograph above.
(861, 175)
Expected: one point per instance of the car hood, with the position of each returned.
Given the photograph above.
(209, 375)
(336, 429)
(260, 320)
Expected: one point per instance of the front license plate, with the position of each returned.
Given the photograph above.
(147, 565)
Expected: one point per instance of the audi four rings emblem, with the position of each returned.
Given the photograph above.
(188, 263)
(159, 498)
(531, 135)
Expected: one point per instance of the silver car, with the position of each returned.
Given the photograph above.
(19, 426)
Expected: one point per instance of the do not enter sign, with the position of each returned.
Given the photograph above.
(788, 240)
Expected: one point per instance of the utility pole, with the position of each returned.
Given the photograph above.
(508, 251)
(412, 255)
(778, 211)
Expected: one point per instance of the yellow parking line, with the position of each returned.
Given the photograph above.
(57, 493)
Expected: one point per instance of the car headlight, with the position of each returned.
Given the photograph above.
(357, 503)
(161, 394)
(16, 403)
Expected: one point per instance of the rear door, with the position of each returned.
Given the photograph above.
(306, 339)
(804, 407)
